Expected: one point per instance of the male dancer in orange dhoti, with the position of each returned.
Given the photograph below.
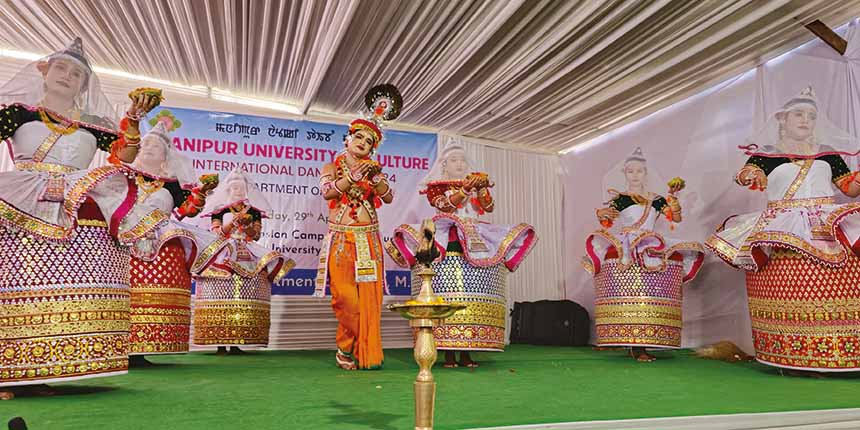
(351, 257)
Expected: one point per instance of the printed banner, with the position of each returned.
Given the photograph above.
(284, 157)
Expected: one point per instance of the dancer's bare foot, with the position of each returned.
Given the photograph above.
(39, 390)
(466, 360)
(450, 360)
(344, 361)
(640, 355)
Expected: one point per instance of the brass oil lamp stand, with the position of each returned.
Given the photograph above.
(424, 312)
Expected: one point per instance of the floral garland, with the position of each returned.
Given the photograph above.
(240, 220)
(358, 192)
(845, 184)
(485, 184)
(119, 144)
(476, 202)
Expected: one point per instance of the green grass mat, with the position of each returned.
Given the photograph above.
(525, 385)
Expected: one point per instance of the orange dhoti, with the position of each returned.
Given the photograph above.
(351, 260)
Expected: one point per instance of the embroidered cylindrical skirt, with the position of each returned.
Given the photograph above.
(481, 325)
(635, 307)
(160, 302)
(64, 307)
(806, 315)
(232, 310)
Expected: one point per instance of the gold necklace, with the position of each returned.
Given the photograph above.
(63, 130)
(147, 187)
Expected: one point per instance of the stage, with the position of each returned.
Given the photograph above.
(527, 385)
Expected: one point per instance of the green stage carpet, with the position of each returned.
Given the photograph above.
(525, 385)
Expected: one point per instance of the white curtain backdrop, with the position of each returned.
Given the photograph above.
(697, 139)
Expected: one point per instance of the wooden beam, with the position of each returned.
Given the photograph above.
(829, 36)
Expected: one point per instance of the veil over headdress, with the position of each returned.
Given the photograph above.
(91, 105)
(615, 180)
(827, 138)
(220, 198)
(437, 171)
(177, 166)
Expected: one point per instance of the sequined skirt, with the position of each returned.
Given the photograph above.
(64, 307)
(804, 314)
(230, 309)
(635, 307)
(160, 302)
(481, 325)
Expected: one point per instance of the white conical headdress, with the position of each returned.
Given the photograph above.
(615, 178)
(826, 138)
(91, 105)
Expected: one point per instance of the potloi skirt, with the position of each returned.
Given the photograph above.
(806, 315)
(481, 325)
(231, 309)
(636, 307)
(64, 306)
(161, 302)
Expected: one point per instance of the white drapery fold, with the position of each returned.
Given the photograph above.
(540, 74)
(698, 140)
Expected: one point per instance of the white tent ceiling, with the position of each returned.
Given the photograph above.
(538, 74)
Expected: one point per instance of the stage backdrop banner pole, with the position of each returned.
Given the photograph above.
(284, 157)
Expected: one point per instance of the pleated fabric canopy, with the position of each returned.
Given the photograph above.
(540, 75)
